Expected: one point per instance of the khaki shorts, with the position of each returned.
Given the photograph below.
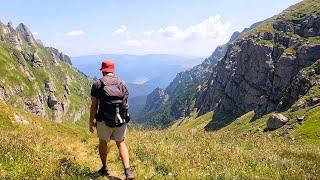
(107, 133)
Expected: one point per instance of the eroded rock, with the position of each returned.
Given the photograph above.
(52, 101)
(34, 107)
(156, 99)
(24, 33)
(310, 27)
(36, 61)
(50, 86)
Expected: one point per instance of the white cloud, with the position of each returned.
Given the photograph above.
(122, 30)
(210, 28)
(197, 39)
(75, 33)
(35, 33)
(140, 80)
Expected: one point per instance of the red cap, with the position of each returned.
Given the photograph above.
(107, 66)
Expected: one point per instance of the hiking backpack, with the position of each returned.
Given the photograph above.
(113, 108)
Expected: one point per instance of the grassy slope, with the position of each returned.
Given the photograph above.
(13, 76)
(242, 150)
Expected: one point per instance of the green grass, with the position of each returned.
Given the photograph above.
(310, 129)
(241, 150)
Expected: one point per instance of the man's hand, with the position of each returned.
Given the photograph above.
(92, 125)
(93, 112)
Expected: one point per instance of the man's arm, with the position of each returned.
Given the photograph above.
(93, 112)
(126, 93)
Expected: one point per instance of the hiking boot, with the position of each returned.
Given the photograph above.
(129, 174)
(104, 171)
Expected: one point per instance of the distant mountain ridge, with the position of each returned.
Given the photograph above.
(142, 72)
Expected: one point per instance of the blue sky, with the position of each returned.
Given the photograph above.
(184, 27)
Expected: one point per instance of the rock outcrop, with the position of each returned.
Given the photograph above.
(262, 69)
(259, 68)
(58, 56)
(36, 60)
(186, 88)
(301, 84)
(276, 121)
(156, 99)
(24, 33)
(38, 79)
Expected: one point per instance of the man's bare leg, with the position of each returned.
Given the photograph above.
(124, 154)
(103, 151)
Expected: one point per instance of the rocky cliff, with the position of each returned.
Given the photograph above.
(260, 71)
(254, 71)
(177, 100)
(40, 79)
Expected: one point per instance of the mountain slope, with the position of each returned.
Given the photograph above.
(40, 79)
(33, 147)
(260, 66)
(254, 75)
(184, 90)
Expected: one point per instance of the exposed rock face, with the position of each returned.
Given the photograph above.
(310, 26)
(12, 36)
(57, 56)
(276, 121)
(65, 58)
(255, 76)
(187, 86)
(263, 69)
(50, 86)
(301, 84)
(26, 34)
(32, 87)
(35, 107)
(52, 101)
(36, 61)
(156, 99)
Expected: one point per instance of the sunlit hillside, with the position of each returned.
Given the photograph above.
(32, 147)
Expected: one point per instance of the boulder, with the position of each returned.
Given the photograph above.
(50, 86)
(26, 56)
(300, 118)
(276, 121)
(36, 61)
(52, 101)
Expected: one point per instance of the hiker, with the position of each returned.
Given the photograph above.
(109, 96)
